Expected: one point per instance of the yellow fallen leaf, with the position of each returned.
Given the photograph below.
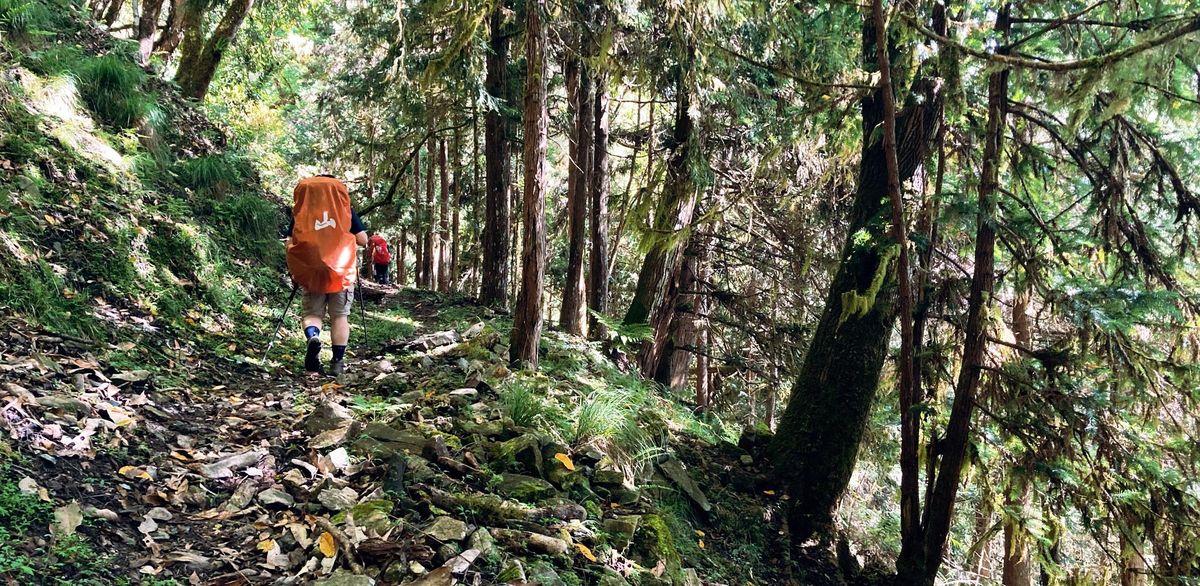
(701, 544)
(330, 387)
(699, 533)
(125, 470)
(769, 492)
(326, 544)
(266, 545)
(566, 461)
(585, 552)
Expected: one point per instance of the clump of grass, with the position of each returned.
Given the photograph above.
(215, 175)
(250, 216)
(522, 403)
(599, 416)
(111, 86)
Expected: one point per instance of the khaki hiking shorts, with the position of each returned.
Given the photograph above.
(336, 304)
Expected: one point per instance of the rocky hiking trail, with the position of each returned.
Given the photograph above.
(408, 469)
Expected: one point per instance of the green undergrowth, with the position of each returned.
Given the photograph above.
(117, 222)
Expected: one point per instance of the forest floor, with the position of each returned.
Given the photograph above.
(411, 468)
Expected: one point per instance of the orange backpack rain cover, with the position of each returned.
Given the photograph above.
(321, 256)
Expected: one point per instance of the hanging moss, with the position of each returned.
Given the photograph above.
(855, 304)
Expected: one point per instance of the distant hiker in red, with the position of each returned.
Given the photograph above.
(322, 253)
(377, 248)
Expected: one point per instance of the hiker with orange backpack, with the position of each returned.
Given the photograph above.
(322, 254)
(377, 248)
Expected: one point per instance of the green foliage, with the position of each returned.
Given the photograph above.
(624, 337)
(111, 86)
(22, 20)
(214, 175)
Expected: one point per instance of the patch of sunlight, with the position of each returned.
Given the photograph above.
(393, 318)
(56, 99)
(14, 248)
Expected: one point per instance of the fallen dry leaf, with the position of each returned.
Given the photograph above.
(327, 544)
(67, 519)
(585, 552)
(566, 461)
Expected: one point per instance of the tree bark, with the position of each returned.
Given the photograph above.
(401, 253)
(113, 12)
(573, 318)
(200, 59)
(674, 215)
(147, 26)
(455, 212)
(494, 289)
(598, 268)
(1018, 559)
(819, 433)
(429, 234)
(476, 233)
(443, 231)
(675, 361)
(954, 445)
(173, 34)
(703, 336)
(527, 322)
(417, 223)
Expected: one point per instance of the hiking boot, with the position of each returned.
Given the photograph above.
(312, 362)
(337, 367)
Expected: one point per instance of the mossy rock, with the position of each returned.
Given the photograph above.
(653, 542)
(525, 488)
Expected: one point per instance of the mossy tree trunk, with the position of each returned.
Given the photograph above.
(819, 433)
(672, 220)
(200, 57)
(429, 233)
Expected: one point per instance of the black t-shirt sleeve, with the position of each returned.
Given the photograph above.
(356, 223)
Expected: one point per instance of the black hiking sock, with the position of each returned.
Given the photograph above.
(339, 352)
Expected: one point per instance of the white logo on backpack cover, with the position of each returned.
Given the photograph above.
(325, 222)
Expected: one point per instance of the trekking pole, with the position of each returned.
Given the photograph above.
(279, 322)
(362, 317)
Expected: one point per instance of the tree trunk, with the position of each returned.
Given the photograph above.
(476, 232)
(430, 233)
(443, 231)
(598, 268)
(173, 34)
(573, 317)
(704, 336)
(675, 360)
(940, 513)
(199, 61)
(820, 431)
(113, 12)
(401, 252)
(417, 223)
(494, 290)
(1018, 560)
(147, 26)
(455, 208)
(674, 215)
(910, 424)
(527, 322)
